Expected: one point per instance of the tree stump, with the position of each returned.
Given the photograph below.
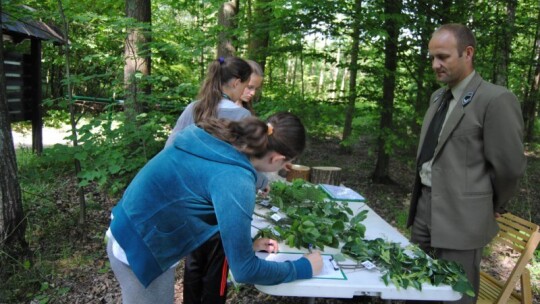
(298, 171)
(326, 175)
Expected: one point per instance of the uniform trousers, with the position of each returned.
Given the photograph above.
(205, 274)
(421, 235)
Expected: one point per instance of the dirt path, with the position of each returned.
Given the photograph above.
(51, 136)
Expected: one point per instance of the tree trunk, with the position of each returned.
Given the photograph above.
(502, 53)
(37, 96)
(335, 73)
(201, 23)
(12, 219)
(530, 102)
(320, 85)
(137, 57)
(227, 20)
(292, 73)
(422, 99)
(392, 9)
(57, 89)
(302, 92)
(353, 68)
(343, 82)
(259, 32)
(298, 171)
(326, 175)
(419, 66)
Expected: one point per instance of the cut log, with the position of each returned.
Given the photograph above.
(326, 175)
(298, 171)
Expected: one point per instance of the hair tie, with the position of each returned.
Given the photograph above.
(270, 129)
(221, 60)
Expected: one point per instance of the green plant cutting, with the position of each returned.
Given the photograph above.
(311, 218)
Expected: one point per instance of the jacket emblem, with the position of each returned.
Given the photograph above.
(467, 99)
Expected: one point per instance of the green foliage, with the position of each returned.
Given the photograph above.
(321, 118)
(55, 118)
(313, 219)
(111, 154)
(408, 268)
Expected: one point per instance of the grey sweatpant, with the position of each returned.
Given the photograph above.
(161, 290)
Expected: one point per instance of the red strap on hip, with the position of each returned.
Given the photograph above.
(224, 273)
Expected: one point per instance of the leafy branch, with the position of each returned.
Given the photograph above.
(409, 266)
(314, 219)
(311, 218)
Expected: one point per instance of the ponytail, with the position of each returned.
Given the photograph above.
(283, 133)
(220, 72)
(288, 136)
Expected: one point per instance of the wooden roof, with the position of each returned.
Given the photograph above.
(22, 29)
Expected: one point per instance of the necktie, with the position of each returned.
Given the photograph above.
(434, 129)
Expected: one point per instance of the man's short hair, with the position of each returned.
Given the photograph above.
(464, 36)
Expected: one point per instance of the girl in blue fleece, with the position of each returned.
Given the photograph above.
(202, 185)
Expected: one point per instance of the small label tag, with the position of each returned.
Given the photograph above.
(265, 202)
(274, 208)
(275, 232)
(368, 265)
(334, 263)
(276, 217)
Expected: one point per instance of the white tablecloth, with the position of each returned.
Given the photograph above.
(359, 281)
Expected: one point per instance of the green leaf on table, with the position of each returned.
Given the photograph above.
(464, 287)
(438, 279)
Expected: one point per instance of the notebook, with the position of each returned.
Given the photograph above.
(342, 193)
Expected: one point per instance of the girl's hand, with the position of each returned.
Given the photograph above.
(316, 261)
(265, 244)
(264, 191)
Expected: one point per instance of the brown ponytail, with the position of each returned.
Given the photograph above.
(251, 135)
(220, 72)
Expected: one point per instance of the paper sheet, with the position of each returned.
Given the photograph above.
(329, 270)
(342, 193)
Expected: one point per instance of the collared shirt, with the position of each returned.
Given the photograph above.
(457, 91)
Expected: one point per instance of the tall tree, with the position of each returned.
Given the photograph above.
(353, 67)
(530, 103)
(392, 10)
(12, 219)
(227, 21)
(335, 73)
(416, 63)
(502, 53)
(259, 32)
(137, 56)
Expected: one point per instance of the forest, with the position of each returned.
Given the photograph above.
(357, 72)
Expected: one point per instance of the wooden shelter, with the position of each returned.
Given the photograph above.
(23, 71)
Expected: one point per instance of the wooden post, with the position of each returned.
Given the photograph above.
(298, 171)
(35, 101)
(326, 175)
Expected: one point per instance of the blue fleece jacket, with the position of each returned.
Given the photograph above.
(184, 195)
